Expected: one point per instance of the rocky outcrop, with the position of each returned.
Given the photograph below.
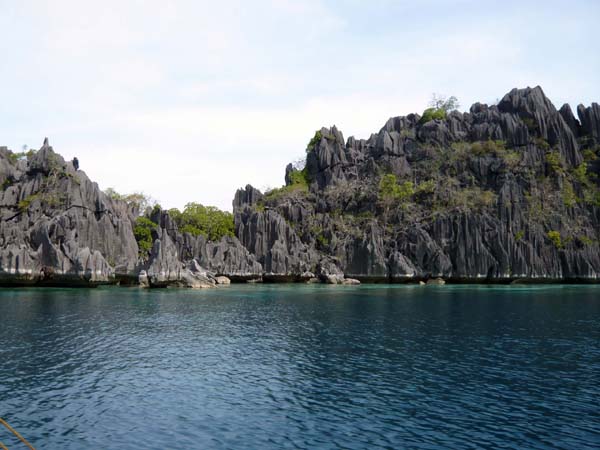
(57, 227)
(226, 257)
(499, 193)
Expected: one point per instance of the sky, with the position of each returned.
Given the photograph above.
(191, 100)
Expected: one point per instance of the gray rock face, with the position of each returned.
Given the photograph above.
(272, 241)
(498, 193)
(173, 253)
(57, 227)
(590, 120)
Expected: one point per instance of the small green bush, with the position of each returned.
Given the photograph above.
(489, 147)
(556, 239)
(14, 157)
(142, 231)
(589, 155)
(512, 159)
(519, 235)
(390, 190)
(322, 241)
(426, 187)
(530, 123)
(542, 143)
(299, 177)
(591, 196)
(473, 198)
(554, 162)
(433, 114)
(314, 141)
(276, 193)
(580, 173)
(568, 194)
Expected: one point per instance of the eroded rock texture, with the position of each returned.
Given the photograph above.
(499, 193)
(503, 192)
(57, 227)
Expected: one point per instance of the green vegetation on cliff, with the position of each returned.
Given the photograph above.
(200, 220)
(142, 231)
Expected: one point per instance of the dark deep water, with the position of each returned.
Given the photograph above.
(294, 366)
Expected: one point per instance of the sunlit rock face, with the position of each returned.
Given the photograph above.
(57, 227)
(502, 192)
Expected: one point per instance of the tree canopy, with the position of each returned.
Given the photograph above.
(138, 199)
(439, 107)
(200, 220)
(441, 102)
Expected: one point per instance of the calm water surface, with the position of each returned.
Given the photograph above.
(310, 367)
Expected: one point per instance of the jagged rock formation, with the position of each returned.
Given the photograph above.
(192, 261)
(503, 192)
(57, 227)
(500, 193)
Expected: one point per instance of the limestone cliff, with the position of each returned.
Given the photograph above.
(500, 193)
(57, 227)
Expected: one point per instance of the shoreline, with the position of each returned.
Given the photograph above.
(5, 284)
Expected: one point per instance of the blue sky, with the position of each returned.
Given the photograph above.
(189, 100)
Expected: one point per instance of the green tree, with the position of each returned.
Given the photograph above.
(207, 221)
(439, 107)
(441, 102)
(139, 200)
(390, 190)
(142, 231)
(388, 187)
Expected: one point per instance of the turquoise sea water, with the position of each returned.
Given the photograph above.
(310, 367)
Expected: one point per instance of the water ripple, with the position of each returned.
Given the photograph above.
(302, 367)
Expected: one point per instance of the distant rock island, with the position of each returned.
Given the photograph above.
(502, 193)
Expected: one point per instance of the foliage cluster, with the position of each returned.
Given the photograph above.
(568, 194)
(138, 200)
(391, 190)
(299, 177)
(142, 231)
(439, 107)
(200, 220)
(314, 141)
(299, 182)
(445, 103)
(50, 199)
(530, 123)
(489, 147)
(463, 150)
(14, 157)
(556, 239)
(24, 204)
(542, 143)
(275, 193)
(554, 162)
(589, 155)
(473, 198)
(433, 114)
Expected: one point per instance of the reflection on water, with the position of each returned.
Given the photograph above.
(302, 367)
